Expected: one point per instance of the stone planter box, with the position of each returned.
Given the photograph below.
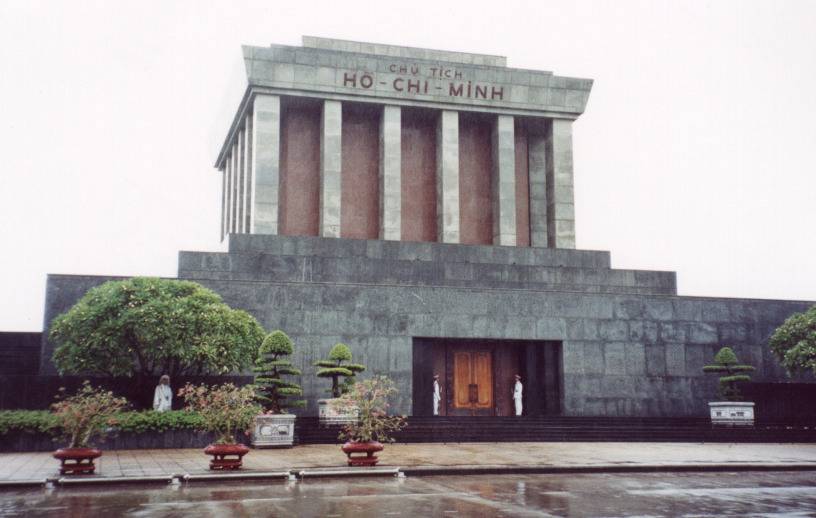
(273, 431)
(330, 412)
(732, 413)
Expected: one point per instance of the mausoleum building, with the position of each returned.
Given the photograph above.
(418, 205)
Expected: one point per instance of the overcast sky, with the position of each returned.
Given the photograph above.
(697, 151)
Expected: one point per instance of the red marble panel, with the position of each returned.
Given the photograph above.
(418, 183)
(360, 198)
(522, 187)
(299, 169)
(475, 169)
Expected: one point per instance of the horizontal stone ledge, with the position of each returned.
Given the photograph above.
(416, 251)
(100, 480)
(248, 475)
(23, 483)
(350, 472)
(269, 277)
(287, 268)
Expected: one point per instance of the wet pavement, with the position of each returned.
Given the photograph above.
(430, 457)
(648, 494)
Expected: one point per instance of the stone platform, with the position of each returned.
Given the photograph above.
(630, 345)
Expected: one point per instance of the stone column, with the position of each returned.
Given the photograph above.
(537, 169)
(331, 147)
(234, 166)
(560, 198)
(223, 203)
(248, 180)
(504, 181)
(447, 177)
(228, 174)
(241, 207)
(390, 173)
(265, 164)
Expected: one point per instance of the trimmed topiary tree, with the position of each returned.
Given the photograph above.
(270, 366)
(337, 366)
(794, 342)
(725, 362)
(149, 326)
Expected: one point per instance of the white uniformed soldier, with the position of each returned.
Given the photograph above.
(517, 389)
(437, 395)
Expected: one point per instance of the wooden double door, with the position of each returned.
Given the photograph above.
(472, 381)
(478, 374)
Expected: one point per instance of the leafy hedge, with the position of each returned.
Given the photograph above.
(43, 421)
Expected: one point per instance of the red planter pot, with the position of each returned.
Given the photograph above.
(368, 448)
(226, 456)
(77, 461)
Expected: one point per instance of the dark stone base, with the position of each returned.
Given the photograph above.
(630, 345)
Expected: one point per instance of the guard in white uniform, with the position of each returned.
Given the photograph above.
(517, 389)
(437, 395)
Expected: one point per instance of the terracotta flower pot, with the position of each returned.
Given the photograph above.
(226, 456)
(77, 461)
(369, 448)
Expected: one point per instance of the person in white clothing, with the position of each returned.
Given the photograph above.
(517, 389)
(437, 395)
(163, 396)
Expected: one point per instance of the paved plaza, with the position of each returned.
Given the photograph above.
(460, 458)
(789, 494)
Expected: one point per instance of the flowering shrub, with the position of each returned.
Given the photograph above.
(87, 413)
(371, 398)
(224, 409)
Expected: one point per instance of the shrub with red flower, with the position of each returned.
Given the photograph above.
(88, 413)
(371, 398)
(224, 409)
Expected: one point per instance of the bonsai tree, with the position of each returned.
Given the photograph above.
(224, 409)
(725, 362)
(270, 366)
(88, 413)
(148, 326)
(337, 366)
(373, 424)
(794, 342)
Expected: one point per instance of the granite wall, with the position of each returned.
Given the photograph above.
(631, 346)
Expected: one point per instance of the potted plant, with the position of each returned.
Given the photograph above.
(275, 427)
(732, 411)
(88, 413)
(224, 410)
(337, 366)
(373, 425)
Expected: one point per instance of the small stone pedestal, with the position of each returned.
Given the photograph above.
(333, 412)
(274, 431)
(732, 413)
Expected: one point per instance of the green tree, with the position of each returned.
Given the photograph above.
(725, 362)
(337, 366)
(794, 342)
(148, 326)
(270, 366)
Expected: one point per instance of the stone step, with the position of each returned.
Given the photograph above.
(264, 266)
(509, 429)
(415, 251)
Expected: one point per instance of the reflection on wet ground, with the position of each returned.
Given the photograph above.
(653, 494)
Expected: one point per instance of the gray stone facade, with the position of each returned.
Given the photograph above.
(631, 346)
